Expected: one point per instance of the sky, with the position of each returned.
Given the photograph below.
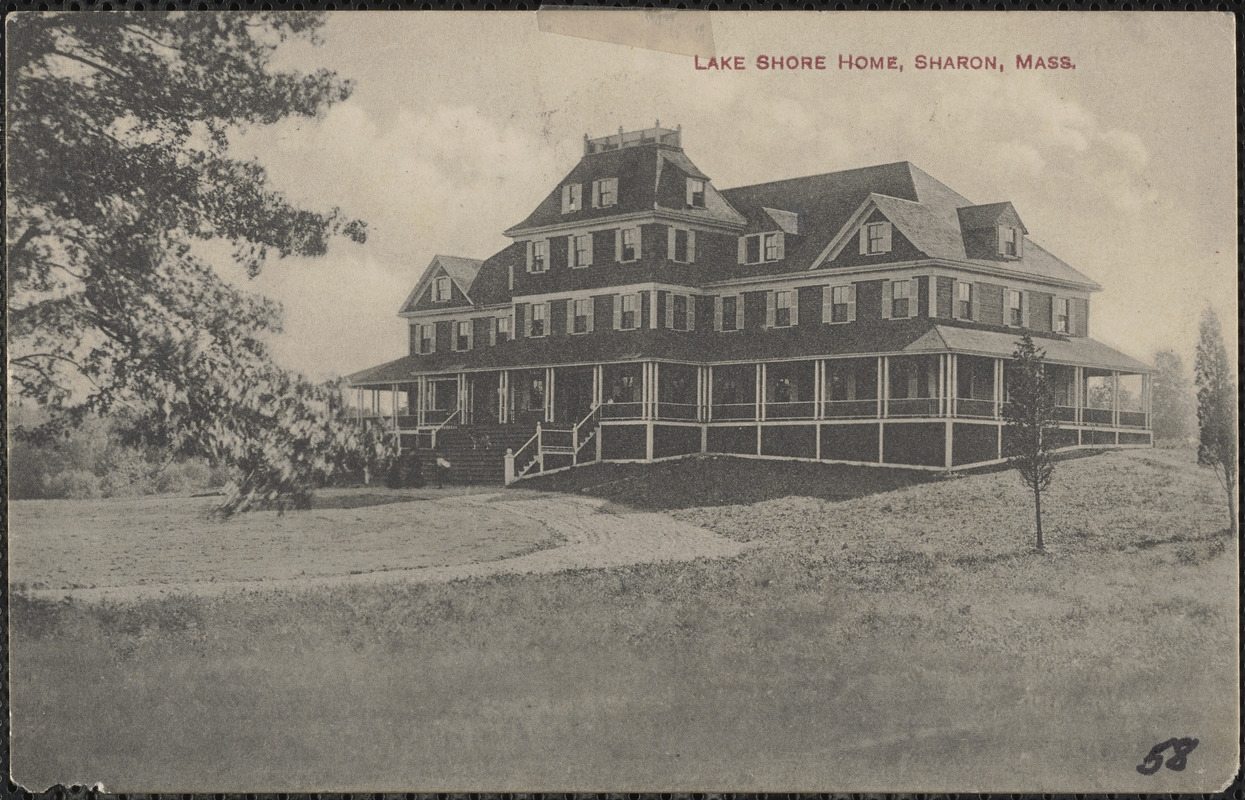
(460, 124)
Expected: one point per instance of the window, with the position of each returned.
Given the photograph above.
(572, 197)
(782, 308)
(629, 244)
(875, 238)
(1009, 242)
(1059, 315)
(427, 338)
(1015, 312)
(682, 245)
(503, 329)
(730, 312)
(695, 193)
(630, 303)
(441, 289)
(901, 297)
(679, 302)
(535, 391)
(842, 303)
(605, 193)
(582, 312)
(462, 338)
(581, 253)
(963, 300)
(771, 247)
(539, 324)
(540, 256)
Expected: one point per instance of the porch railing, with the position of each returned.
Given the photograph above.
(529, 459)
(974, 407)
(677, 411)
(795, 409)
(429, 433)
(1096, 416)
(627, 410)
(851, 409)
(739, 411)
(912, 407)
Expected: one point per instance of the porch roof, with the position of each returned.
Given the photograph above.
(918, 335)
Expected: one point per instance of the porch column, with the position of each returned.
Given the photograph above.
(394, 395)
(1115, 399)
(656, 390)
(700, 394)
(884, 386)
(598, 384)
(464, 399)
(760, 392)
(942, 384)
(998, 388)
(359, 405)
(819, 394)
(501, 396)
(709, 396)
(1078, 393)
(549, 378)
(955, 384)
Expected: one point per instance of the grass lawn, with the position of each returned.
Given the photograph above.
(906, 639)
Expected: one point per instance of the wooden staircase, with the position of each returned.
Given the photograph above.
(555, 447)
(476, 452)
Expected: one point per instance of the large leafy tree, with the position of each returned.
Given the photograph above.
(120, 169)
(1030, 417)
(1216, 409)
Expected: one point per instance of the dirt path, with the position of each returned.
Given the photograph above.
(560, 533)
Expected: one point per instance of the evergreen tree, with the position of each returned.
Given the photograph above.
(1217, 446)
(1031, 424)
(1171, 398)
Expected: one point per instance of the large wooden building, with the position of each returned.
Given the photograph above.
(641, 313)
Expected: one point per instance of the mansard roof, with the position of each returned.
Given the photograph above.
(642, 173)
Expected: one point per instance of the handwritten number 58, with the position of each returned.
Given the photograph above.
(1177, 761)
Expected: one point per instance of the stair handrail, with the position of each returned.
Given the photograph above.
(437, 429)
(535, 440)
(576, 445)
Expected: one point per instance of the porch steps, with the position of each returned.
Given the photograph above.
(477, 452)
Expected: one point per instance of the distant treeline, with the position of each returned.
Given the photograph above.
(97, 459)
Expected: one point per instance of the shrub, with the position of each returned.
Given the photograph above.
(405, 471)
(72, 484)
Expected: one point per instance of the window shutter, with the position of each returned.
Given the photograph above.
(570, 315)
(781, 246)
(864, 239)
(669, 243)
(691, 247)
(795, 304)
(592, 308)
(739, 312)
(717, 313)
(596, 194)
(1024, 309)
(688, 184)
(618, 245)
(827, 304)
(691, 313)
(886, 238)
(974, 300)
(618, 312)
(998, 237)
(771, 306)
(566, 198)
(932, 306)
(887, 297)
(638, 251)
(851, 303)
(590, 243)
(570, 251)
(530, 247)
(743, 249)
(471, 334)
(1020, 241)
(492, 331)
(669, 321)
(432, 331)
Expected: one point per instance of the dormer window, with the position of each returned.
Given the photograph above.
(1009, 242)
(762, 247)
(538, 256)
(572, 197)
(605, 192)
(441, 289)
(875, 238)
(695, 193)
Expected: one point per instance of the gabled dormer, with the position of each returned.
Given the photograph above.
(884, 229)
(993, 231)
(446, 283)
